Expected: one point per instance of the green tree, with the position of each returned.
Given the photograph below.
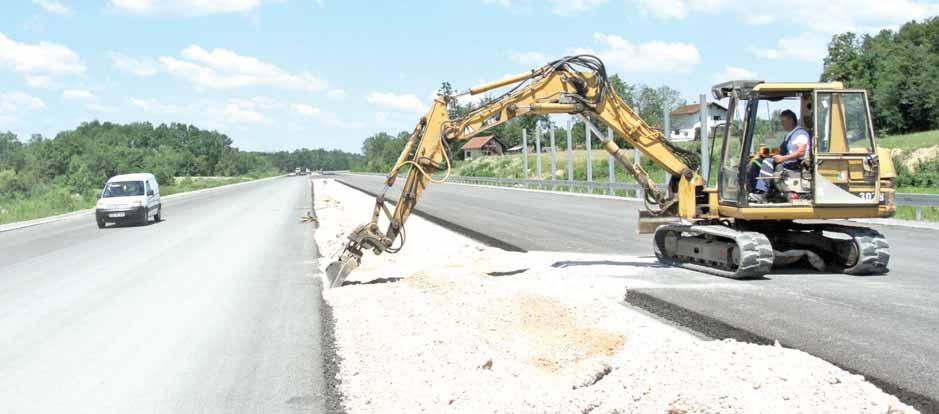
(899, 69)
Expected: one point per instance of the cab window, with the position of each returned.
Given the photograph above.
(768, 132)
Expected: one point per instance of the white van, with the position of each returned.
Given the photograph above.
(129, 198)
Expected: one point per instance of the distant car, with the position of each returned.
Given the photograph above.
(296, 171)
(129, 198)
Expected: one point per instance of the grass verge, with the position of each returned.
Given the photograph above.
(909, 213)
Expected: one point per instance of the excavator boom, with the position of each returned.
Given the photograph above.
(573, 85)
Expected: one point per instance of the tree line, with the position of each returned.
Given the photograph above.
(82, 159)
(899, 69)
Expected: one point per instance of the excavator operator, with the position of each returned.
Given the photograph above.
(792, 151)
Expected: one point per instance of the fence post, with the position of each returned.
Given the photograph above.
(570, 153)
(637, 156)
(666, 116)
(589, 158)
(919, 213)
(538, 150)
(554, 159)
(611, 171)
(705, 155)
(525, 153)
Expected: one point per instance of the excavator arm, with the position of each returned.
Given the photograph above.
(575, 85)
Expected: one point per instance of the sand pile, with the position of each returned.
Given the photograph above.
(449, 325)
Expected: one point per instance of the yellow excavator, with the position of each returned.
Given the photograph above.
(711, 226)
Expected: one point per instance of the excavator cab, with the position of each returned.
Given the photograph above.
(841, 168)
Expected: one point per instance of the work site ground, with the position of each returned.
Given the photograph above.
(451, 325)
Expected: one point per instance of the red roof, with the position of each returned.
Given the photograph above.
(479, 142)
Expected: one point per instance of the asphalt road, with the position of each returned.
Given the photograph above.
(215, 309)
(885, 327)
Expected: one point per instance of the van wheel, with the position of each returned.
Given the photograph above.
(159, 214)
(101, 223)
(145, 219)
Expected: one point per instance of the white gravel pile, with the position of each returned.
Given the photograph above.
(465, 330)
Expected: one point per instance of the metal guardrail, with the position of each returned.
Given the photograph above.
(916, 199)
(514, 182)
(902, 199)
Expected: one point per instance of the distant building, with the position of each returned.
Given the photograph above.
(684, 120)
(482, 146)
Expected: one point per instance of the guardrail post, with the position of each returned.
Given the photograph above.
(611, 172)
(538, 174)
(525, 152)
(919, 213)
(554, 159)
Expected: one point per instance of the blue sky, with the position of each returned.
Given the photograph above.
(285, 74)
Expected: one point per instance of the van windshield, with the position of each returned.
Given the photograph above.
(123, 189)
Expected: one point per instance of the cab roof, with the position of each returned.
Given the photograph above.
(132, 177)
(796, 86)
(742, 88)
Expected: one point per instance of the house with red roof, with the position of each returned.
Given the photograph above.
(481, 146)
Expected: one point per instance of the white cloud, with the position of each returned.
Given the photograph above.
(138, 66)
(235, 114)
(565, 8)
(189, 8)
(733, 73)
(96, 107)
(78, 95)
(224, 69)
(534, 59)
(337, 94)
(843, 15)
(45, 57)
(40, 81)
(16, 101)
(327, 118)
(53, 7)
(676, 9)
(333, 120)
(155, 107)
(654, 56)
(401, 103)
(230, 112)
(306, 110)
(807, 46)
(573, 7)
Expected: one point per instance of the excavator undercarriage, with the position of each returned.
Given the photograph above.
(752, 251)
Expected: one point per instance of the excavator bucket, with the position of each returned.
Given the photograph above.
(337, 271)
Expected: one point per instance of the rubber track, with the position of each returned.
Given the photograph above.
(872, 247)
(756, 252)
